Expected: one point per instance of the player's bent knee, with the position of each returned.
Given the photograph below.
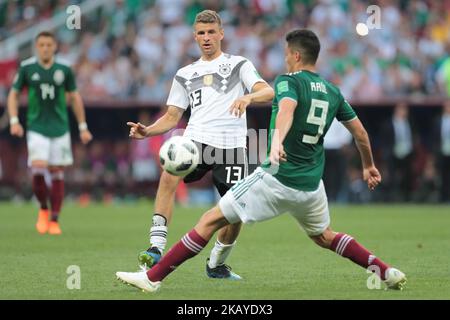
(229, 233)
(324, 239)
(39, 164)
(54, 169)
(234, 228)
(212, 221)
(169, 181)
(319, 241)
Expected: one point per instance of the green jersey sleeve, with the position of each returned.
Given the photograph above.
(19, 79)
(70, 84)
(345, 112)
(286, 87)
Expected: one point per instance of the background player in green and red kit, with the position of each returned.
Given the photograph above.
(290, 180)
(48, 137)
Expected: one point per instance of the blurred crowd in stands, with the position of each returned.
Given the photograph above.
(132, 48)
(415, 165)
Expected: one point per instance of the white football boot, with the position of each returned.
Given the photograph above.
(139, 280)
(395, 279)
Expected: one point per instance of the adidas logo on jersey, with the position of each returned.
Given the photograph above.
(35, 77)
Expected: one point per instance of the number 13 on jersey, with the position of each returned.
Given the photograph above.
(196, 98)
(320, 121)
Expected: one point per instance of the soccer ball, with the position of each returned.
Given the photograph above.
(179, 156)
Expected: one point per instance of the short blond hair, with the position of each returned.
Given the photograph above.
(208, 16)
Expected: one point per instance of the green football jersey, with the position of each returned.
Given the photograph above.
(47, 108)
(318, 103)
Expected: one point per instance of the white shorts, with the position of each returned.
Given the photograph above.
(55, 151)
(260, 197)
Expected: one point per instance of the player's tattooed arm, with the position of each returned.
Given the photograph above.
(167, 122)
(370, 172)
(261, 92)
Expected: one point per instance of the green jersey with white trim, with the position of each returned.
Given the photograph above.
(318, 103)
(47, 108)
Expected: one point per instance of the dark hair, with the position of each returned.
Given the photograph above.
(306, 42)
(208, 16)
(45, 34)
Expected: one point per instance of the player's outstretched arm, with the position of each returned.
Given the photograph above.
(167, 122)
(283, 124)
(261, 92)
(13, 105)
(78, 110)
(370, 172)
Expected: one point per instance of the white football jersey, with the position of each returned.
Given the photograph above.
(210, 88)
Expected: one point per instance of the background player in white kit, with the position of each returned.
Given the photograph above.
(213, 86)
(303, 109)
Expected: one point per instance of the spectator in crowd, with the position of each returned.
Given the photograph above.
(441, 139)
(130, 50)
(427, 183)
(443, 74)
(145, 159)
(335, 173)
(79, 183)
(357, 193)
(145, 42)
(120, 167)
(398, 140)
(97, 168)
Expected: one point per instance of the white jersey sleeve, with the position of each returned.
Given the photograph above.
(209, 88)
(178, 95)
(250, 75)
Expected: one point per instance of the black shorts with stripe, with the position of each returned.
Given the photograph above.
(228, 166)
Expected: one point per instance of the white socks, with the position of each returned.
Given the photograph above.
(158, 232)
(219, 253)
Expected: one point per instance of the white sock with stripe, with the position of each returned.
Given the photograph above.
(158, 232)
(219, 253)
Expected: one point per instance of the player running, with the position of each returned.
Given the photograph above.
(290, 180)
(48, 137)
(213, 86)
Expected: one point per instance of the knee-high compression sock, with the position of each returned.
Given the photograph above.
(189, 246)
(348, 247)
(40, 187)
(57, 194)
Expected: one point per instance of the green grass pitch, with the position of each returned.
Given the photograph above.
(275, 258)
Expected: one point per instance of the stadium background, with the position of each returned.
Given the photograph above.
(126, 53)
(124, 57)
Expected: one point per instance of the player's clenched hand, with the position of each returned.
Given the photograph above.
(277, 154)
(137, 130)
(16, 130)
(240, 105)
(85, 136)
(372, 177)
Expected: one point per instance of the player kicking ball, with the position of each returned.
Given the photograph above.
(290, 180)
(209, 87)
(48, 137)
